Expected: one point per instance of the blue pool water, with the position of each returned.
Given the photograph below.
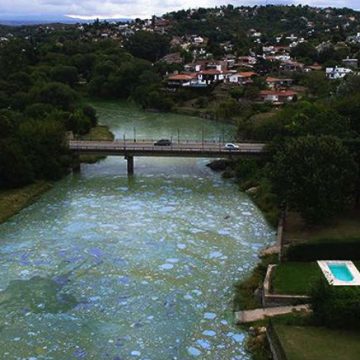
(341, 272)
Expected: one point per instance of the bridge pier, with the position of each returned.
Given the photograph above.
(130, 164)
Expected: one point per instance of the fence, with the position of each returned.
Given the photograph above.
(275, 345)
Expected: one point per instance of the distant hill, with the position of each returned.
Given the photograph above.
(38, 20)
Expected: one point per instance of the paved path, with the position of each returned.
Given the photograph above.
(260, 314)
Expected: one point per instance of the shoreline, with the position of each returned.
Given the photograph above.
(12, 201)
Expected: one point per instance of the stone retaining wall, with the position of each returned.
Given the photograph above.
(271, 300)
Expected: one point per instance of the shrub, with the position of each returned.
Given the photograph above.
(336, 306)
(325, 250)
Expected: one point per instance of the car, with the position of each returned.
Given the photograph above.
(163, 142)
(231, 146)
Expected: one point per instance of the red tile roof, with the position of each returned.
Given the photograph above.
(246, 74)
(272, 79)
(278, 93)
(186, 77)
(211, 72)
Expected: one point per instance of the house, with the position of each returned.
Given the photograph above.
(337, 72)
(291, 65)
(182, 80)
(278, 97)
(211, 76)
(173, 58)
(201, 65)
(247, 61)
(350, 63)
(354, 38)
(275, 83)
(313, 67)
(198, 40)
(242, 78)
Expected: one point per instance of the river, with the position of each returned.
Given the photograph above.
(109, 267)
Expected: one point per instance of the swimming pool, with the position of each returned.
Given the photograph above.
(340, 273)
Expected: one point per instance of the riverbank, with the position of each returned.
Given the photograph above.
(14, 200)
(97, 133)
(299, 275)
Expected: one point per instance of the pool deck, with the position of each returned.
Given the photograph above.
(324, 266)
(248, 316)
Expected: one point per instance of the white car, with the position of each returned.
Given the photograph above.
(231, 146)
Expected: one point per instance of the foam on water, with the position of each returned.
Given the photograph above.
(118, 268)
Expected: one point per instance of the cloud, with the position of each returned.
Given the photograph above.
(136, 8)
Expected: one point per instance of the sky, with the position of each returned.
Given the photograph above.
(88, 9)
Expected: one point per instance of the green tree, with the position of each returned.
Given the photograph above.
(314, 176)
(148, 46)
(304, 50)
(44, 144)
(15, 169)
(65, 74)
(57, 94)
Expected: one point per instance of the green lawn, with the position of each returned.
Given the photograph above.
(296, 278)
(318, 343)
(343, 228)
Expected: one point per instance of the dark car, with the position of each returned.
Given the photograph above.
(163, 142)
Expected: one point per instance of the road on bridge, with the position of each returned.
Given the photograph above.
(143, 148)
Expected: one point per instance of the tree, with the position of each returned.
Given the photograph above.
(57, 94)
(15, 169)
(304, 50)
(336, 306)
(317, 83)
(314, 176)
(148, 46)
(65, 74)
(44, 144)
(6, 126)
(314, 119)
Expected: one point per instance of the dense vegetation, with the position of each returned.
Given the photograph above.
(314, 153)
(336, 306)
(45, 75)
(42, 85)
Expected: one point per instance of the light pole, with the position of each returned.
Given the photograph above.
(178, 133)
(134, 134)
(202, 137)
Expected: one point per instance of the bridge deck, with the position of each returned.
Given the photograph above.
(147, 148)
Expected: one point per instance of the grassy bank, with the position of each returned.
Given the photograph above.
(14, 200)
(342, 228)
(318, 343)
(245, 298)
(97, 133)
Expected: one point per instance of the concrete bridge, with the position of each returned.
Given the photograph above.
(130, 149)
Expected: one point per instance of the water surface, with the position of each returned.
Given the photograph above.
(106, 267)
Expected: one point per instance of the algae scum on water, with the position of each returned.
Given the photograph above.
(106, 267)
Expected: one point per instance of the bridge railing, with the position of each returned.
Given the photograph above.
(164, 149)
(173, 139)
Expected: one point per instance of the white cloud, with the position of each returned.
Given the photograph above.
(135, 8)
